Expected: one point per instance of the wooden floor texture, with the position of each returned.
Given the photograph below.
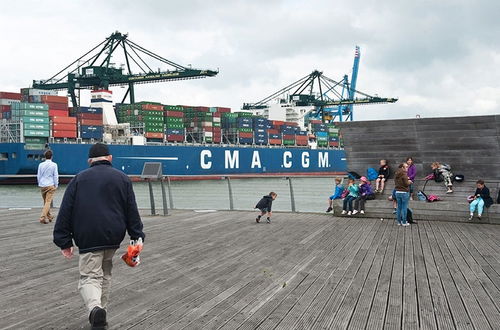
(221, 270)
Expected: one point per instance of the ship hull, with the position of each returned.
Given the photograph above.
(197, 161)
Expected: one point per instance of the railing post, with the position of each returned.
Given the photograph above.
(231, 204)
(170, 198)
(163, 197)
(292, 196)
(151, 198)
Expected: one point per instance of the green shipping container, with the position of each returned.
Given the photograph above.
(29, 113)
(33, 132)
(153, 129)
(152, 119)
(174, 120)
(36, 126)
(34, 146)
(37, 120)
(288, 142)
(175, 126)
(35, 140)
(29, 106)
(246, 130)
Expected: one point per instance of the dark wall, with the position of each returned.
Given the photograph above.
(471, 145)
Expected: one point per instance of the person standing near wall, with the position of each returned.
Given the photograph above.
(48, 181)
(98, 207)
(402, 186)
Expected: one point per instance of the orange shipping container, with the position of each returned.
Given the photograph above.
(57, 106)
(58, 113)
(64, 134)
(154, 135)
(155, 107)
(64, 120)
(54, 99)
(90, 122)
(63, 127)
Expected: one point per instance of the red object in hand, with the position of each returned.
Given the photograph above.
(131, 257)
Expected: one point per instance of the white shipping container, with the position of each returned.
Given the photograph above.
(216, 119)
(208, 134)
(37, 92)
(8, 101)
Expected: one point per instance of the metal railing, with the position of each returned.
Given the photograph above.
(229, 192)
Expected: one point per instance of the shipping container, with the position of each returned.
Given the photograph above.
(40, 126)
(154, 135)
(94, 110)
(64, 134)
(10, 96)
(36, 133)
(54, 99)
(58, 113)
(29, 106)
(63, 127)
(39, 120)
(90, 122)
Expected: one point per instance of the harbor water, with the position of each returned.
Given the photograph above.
(310, 194)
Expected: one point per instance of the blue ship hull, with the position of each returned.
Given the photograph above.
(180, 160)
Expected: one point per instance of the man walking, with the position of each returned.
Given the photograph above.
(97, 208)
(48, 180)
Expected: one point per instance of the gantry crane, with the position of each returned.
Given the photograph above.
(332, 100)
(95, 70)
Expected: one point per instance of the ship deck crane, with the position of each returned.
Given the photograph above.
(94, 69)
(333, 100)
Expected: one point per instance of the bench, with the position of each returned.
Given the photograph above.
(451, 207)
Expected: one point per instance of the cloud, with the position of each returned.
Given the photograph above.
(439, 58)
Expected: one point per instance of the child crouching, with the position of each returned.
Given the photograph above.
(265, 205)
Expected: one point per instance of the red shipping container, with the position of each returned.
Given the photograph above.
(4, 108)
(177, 114)
(203, 109)
(91, 116)
(154, 135)
(245, 135)
(223, 109)
(64, 120)
(301, 143)
(277, 122)
(63, 127)
(91, 122)
(216, 114)
(301, 137)
(315, 121)
(59, 113)
(10, 96)
(57, 106)
(64, 134)
(275, 141)
(290, 123)
(54, 99)
(175, 138)
(273, 131)
(333, 144)
(155, 107)
(288, 137)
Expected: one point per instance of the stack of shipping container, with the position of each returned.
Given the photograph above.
(35, 118)
(174, 123)
(90, 121)
(6, 100)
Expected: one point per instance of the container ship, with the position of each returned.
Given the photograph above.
(188, 140)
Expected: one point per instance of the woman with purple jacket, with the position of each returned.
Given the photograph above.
(412, 173)
(365, 193)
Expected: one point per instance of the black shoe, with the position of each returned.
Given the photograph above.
(97, 318)
(268, 220)
(329, 209)
(257, 219)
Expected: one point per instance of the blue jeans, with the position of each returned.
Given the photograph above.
(348, 202)
(480, 206)
(402, 199)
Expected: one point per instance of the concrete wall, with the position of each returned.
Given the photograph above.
(471, 145)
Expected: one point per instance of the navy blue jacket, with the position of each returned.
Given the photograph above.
(265, 203)
(97, 207)
(485, 195)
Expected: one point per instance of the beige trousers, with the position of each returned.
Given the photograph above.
(95, 277)
(47, 195)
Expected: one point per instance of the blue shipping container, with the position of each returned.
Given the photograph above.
(91, 110)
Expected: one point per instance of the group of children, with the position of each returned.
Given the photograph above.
(355, 195)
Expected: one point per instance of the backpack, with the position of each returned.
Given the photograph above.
(459, 178)
(353, 175)
(371, 174)
(421, 195)
(433, 198)
(345, 193)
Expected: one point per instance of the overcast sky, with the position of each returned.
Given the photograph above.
(440, 58)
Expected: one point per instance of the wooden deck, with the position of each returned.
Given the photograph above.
(223, 271)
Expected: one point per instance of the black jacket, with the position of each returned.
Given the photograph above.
(97, 207)
(485, 195)
(385, 171)
(265, 203)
